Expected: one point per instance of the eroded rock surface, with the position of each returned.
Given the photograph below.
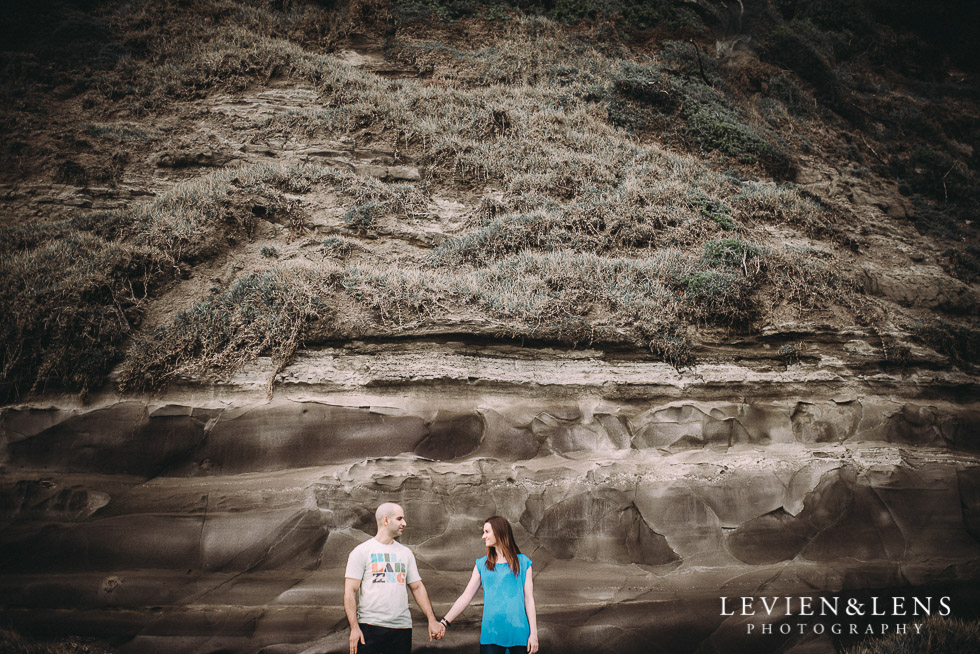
(214, 522)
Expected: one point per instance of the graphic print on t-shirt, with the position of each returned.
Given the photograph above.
(386, 568)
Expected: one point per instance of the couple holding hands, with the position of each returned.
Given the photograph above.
(376, 600)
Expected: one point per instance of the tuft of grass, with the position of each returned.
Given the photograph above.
(263, 312)
(527, 290)
(230, 60)
(732, 253)
(938, 176)
(796, 46)
(183, 221)
(532, 50)
(790, 353)
(337, 246)
(117, 132)
(547, 294)
(32, 234)
(364, 216)
(633, 15)
(961, 343)
(712, 209)
(784, 89)
(670, 344)
(964, 263)
(938, 635)
(715, 126)
(645, 97)
(14, 643)
(796, 279)
(401, 296)
(686, 59)
(785, 203)
(508, 234)
(523, 290)
(713, 295)
(644, 83)
(301, 178)
(69, 305)
(374, 199)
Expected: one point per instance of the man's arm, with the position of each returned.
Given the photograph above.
(351, 586)
(436, 630)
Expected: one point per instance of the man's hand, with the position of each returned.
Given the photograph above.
(436, 630)
(351, 586)
(532, 644)
(355, 637)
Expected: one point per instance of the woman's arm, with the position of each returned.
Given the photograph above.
(464, 600)
(532, 641)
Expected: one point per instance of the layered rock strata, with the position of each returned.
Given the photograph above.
(215, 518)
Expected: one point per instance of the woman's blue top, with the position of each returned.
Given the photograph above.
(504, 615)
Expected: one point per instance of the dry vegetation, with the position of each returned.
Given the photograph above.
(622, 195)
(15, 643)
(937, 635)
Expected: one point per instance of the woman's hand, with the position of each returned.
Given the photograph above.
(532, 616)
(436, 630)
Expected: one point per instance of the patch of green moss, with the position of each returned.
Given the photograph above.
(712, 209)
(712, 295)
(715, 127)
(730, 253)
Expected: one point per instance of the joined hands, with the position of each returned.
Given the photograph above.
(436, 630)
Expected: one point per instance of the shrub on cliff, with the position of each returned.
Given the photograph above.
(644, 97)
(74, 290)
(69, 305)
(633, 15)
(12, 642)
(716, 126)
(792, 48)
(938, 635)
(961, 343)
(264, 312)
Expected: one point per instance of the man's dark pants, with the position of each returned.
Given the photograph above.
(384, 640)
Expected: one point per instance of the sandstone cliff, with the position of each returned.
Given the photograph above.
(218, 519)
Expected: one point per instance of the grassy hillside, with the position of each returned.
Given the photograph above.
(632, 176)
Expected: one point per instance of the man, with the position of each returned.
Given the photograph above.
(375, 598)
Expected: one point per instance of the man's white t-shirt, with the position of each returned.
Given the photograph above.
(384, 571)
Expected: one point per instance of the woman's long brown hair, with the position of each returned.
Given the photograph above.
(505, 541)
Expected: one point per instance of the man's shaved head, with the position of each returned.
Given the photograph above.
(389, 509)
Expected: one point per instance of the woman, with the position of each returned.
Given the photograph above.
(509, 624)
